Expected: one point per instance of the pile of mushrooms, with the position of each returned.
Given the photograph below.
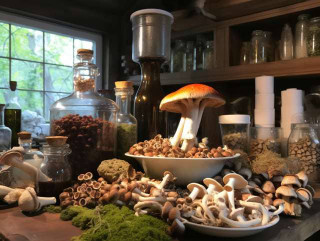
(190, 101)
(291, 190)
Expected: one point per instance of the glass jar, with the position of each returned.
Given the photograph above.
(265, 138)
(5, 132)
(12, 113)
(286, 44)
(86, 118)
(303, 143)
(126, 123)
(258, 48)
(208, 56)
(55, 166)
(245, 53)
(269, 46)
(188, 58)
(177, 58)
(198, 53)
(313, 39)
(235, 131)
(301, 36)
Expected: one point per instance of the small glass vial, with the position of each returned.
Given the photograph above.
(286, 45)
(258, 47)
(198, 53)
(314, 37)
(188, 58)
(269, 46)
(208, 56)
(245, 53)
(126, 122)
(5, 132)
(301, 36)
(178, 56)
(55, 166)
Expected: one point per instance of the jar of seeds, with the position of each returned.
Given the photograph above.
(265, 138)
(303, 143)
(235, 131)
(313, 37)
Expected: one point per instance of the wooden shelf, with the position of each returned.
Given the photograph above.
(288, 68)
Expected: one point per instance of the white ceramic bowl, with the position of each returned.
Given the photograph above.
(186, 170)
(230, 232)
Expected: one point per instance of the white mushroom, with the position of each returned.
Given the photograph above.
(196, 190)
(233, 181)
(4, 190)
(13, 196)
(213, 185)
(150, 205)
(257, 206)
(167, 177)
(303, 178)
(223, 215)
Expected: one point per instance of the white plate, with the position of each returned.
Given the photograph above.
(186, 170)
(230, 232)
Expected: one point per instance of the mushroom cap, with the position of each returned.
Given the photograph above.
(192, 91)
(285, 191)
(171, 177)
(254, 199)
(4, 159)
(304, 194)
(238, 184)
(202, 189)
(291, 180)
(173, 214)
(28, 200)
(166, 209)
(235, 212)
(303, 178)
(268, 187)
(218, 186)
(277, 202)
(310, 189)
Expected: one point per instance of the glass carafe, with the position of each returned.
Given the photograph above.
(301, 36)
(177, 57)
(5, 132)
(126, 123)
(258, 52)
(208, 56)
(86, 118)
(188, 59)
(55, 166)
(12, 113)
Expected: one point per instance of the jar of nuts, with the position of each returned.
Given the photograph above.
(235, 131)
(86, 118)
(265, 138)
(303, 143)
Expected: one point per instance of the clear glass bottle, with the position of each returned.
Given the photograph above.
(301, 34)
(245, 53)
(313, 45)
(86, 118)
(56, 167)
(5, 132)
(188, 58)
(126, 123)
(303, 143)
(177, 58)
(269, 46)
(208, 56)
(286, 45)
(198, 53)
(258, 48)
(12, 113)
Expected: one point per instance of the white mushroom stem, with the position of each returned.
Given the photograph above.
(278, 211)
(164, 181)
(5, 190)
(223, 215)
(206, 209)
(194, 193)
(160, 199)
(175, 140)
(258, 206)
(229, 187)
(138, 191)
(152, 205)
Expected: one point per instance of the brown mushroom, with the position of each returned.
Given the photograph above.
(291, 180)
(268, 187)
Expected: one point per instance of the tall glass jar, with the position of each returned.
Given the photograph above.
(286, 44)
(198, 53)
(86, 118)
(245, 53)
(12, 113)
(5, 132)
(126, 123)
(313, 45)
(188, 58)
(269, 46)
(55, 166)
(208, 56)
(258, 48)
(301, 36)
(303, 143)
(177, 58)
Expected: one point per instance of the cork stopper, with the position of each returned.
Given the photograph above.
(85, 51)
(24, 135)
(13, 85)
(123, 84)
(56, 141)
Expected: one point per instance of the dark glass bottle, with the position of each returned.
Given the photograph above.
(12, 114)
(151, 121)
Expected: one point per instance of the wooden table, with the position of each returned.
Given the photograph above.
(48, 227)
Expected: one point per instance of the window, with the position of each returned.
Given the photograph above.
(40, 57)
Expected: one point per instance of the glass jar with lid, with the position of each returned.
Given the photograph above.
(188, 58)
(86, 118)
(258, 47)
(55, 166)
(303, 144)
(313, 39)
(208, 55)
(301, 34)
(245, 53)
(178, 56)
(286, 43)
(126, 122)
(5, 132)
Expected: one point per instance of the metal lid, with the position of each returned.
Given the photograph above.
(151, 11)
(234, 119)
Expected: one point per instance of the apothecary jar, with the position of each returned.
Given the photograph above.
(313, 39)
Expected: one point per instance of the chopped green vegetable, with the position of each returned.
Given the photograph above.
(52, 209)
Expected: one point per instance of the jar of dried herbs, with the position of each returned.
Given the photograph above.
(313, 44)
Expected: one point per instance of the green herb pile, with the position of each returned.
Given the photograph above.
(111, 223)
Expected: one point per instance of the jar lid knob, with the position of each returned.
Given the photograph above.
(24, 135)
(56, 141)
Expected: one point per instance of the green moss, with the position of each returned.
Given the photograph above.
(70, 212)
(52, 209)
(84, 219)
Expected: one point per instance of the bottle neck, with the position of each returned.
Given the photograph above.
(124, 103)
(26, 144)
(2, 115)
(150, 73)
